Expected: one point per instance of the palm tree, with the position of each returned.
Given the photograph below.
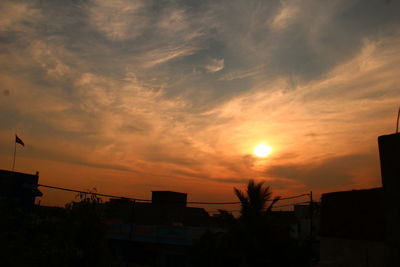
(253, 233)
(254, 239)
(255, 200)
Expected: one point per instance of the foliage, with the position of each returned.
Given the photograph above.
(86, 231)
(254, 203)
(52, 236)
(254, 239)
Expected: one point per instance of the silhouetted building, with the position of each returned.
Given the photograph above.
(361, 227)
(159, 233)
(356, 214)
(389, 152)
(352, 228)
(20, 189)
(168, 199)
(285, 221)
(167, 208)
(306, 228)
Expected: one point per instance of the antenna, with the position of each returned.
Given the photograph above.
(397, 124)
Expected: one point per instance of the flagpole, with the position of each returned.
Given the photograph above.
(15, 150)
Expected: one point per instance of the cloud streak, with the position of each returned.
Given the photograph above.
(335, 171)
(179, 93)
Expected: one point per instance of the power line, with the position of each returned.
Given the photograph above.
(238, 202)
(148, 200)
(302, 195)
(280, 206)
(93, 193)
(287, 205)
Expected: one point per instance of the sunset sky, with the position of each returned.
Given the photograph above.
(134, 96)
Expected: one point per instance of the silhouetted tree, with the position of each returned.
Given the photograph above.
(254, 239)
(86, 231)
(256, 202)
(53, 236)
(253, 232)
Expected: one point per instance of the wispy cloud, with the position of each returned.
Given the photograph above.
(285, 16)
(178, 93)
(336, 171)
(119, 20)
(242, 74)
(16, 14)
(165, 54)
(215, 65)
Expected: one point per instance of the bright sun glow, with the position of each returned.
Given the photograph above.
(262, 150)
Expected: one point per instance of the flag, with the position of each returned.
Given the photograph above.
(19, 141)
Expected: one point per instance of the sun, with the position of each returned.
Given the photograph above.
(262, 150)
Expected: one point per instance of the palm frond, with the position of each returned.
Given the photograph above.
(255, 199)
(276, 199)
(242, 198)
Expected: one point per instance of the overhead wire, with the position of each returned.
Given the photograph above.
(148, 200)
(280, 206)
(93, 193)
(292, 204)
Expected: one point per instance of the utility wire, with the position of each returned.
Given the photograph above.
(238, 202)
(287, 205)
(302, 195)
(148, 200)
(93, 193)
(280, 206)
